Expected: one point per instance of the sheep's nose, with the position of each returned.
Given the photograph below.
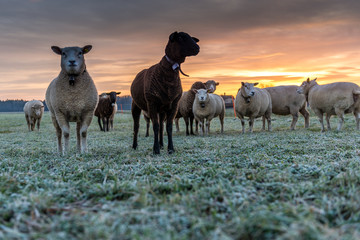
(72, 62)
(252, 93)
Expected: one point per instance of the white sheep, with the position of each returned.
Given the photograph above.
(33, 113)
(72, 97)
(206, 106)
(332, 99)
(253, 102)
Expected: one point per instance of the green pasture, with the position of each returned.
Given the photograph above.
(283, 184)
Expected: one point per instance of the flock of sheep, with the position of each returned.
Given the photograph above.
(157, 92)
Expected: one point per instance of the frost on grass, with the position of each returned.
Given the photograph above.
(279, 185)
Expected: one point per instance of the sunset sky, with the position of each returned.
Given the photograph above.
(271, 42)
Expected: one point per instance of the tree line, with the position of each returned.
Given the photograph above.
(17, 105)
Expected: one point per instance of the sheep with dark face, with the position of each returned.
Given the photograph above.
(105, 109)
(157, 90)
(33, 113)
(253, 102)
(185, 108)
(332, 99)
(72, 97)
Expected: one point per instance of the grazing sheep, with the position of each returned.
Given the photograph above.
(72, 97)
(285, 100)
(105, 110)
(33, 112)
(207, 106)
(332, 99)
(157, 90)
(185, 107)
(211, 85)
(253, 102)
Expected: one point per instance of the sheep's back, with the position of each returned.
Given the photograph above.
(329, 96)
(284, 98)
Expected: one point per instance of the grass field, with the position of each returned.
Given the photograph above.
(300, 184)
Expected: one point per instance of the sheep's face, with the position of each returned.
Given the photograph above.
(72, 58)
(180, 46)
(248, 90)
(38, 110)
(112, 96)
(305, 86)
(203, 96)
(211, 85)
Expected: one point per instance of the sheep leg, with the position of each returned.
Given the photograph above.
(251, 124)
(186, 119)
(201, 126)
(294, 120)
(306, 115)
(221, 118)
(28, 122)
(84, 125)
(242, 123)
(38, 123)
(196, 126)
(155, 122)
(328, 116)
(111, 124)
(263, 123)
(161, 131)
(191, 125)
(107, 120)
(147, 120)
(136, 112)
(99, 121)
(78, 142)
(268, 117)
(169, 133)
(340, 114)
(177, 124)
(206, 123)
(319, 114)
(104, 123)
(357, 119)
(58, 134)
(32, 123)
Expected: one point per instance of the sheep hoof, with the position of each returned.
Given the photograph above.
(171, 151)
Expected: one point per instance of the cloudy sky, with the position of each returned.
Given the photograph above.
(274, 42)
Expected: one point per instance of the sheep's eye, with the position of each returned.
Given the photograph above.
(80, 54)
(64, 54)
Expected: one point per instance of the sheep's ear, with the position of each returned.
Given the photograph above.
(217, 83)
(208, 91)
(256, 83)
(86, 49)
(118, 93)
(107, 93)
(242, 83)
(314, 79)
(308, 80)
(56, 50)
(195, 39)
(173, 36)
(195, 90)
